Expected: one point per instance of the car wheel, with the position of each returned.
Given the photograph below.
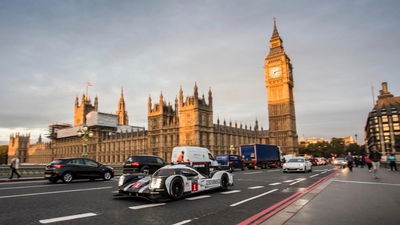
(145, 170)
(224, 182)
(67, 177)
(264, 166)
(230, 169)
(311, 169)
(242, 168)
(107, 176)
(176, 188)
(305, 170)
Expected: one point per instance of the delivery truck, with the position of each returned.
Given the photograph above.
(260, 155)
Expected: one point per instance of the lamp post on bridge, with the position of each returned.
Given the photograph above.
(85, 133)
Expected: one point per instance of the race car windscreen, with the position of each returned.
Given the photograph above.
(165, 172)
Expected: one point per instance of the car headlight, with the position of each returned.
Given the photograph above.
(121, 180)
(155, 183)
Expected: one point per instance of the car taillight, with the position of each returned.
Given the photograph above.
(253, 160)
(135, 164)
(58, 166)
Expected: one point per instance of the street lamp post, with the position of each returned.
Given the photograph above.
(85, 133)
(232, 149)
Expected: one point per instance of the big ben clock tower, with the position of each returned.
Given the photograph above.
(279, 84)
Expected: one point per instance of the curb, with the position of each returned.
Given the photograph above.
(276, 208)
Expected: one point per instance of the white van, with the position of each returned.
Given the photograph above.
(194, 155)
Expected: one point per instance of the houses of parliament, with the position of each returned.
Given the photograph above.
(189, 120)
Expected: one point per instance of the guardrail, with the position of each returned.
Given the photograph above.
(38, 170)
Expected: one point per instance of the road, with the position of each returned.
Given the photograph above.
(91, 202)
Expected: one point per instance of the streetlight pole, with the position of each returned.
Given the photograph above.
(85, 133)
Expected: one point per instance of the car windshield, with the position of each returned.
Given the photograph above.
(165, 172)
(296, 160)
(221, 157)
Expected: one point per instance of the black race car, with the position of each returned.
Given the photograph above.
(172, 182)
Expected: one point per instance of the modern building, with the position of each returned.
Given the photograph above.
(383, 127)
(189, 120)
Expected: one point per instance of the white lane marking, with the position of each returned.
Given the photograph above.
(54, 192)
(297, 182)
(183, 222)
(64, 218)
(315, 175)
(273, 184)
(249, 199)
(23, 182)
(363, 182)
(147, 206)
(253, 172)
(255, 187)
(198, 197)
(287, 181)
(230, 192)
(301, 178)
(32, 186)
(324, 172)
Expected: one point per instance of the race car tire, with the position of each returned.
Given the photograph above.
(67, 177)
(176, 188)
(224, 182)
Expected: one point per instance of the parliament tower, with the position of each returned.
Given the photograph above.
(279, 84)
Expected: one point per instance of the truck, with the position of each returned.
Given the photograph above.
(260, 155)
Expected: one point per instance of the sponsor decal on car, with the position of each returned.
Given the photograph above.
(195, 186)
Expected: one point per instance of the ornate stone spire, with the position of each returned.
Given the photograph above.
(275, 33)
(121, 112)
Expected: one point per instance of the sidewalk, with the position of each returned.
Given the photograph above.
(349, 198)
(20, 179)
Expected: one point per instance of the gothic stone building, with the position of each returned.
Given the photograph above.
(188, 121)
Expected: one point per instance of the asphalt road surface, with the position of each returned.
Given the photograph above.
(91, 202)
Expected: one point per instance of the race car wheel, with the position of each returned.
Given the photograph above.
(176, 188)
(224, 182)
(107, 176)
(67, 177)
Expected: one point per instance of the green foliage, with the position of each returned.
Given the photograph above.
(325, 149)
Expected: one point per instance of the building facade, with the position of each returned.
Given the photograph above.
(19, 145)
(189, 120)
(383, 127)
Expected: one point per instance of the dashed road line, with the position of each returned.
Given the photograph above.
(64, 218)
(297, 182)
(230, 192)
(198, 197)
(253, 172)
(314, 175)
(287, 181)
(54, 192)
(147, 206)
(32, 186)
(273, 184)
(249, 199)
(183, 222)
(255, 187)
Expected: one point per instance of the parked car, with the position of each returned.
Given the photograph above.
(230, 162)
(313, 161)
(300, 164)
(147, 164)
(172, 182)
(68, 169)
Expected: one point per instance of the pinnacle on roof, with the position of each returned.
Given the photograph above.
(275, 33)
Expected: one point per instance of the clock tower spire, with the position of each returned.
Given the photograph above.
(279, 84)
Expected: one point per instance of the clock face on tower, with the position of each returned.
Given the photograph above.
(275, 72)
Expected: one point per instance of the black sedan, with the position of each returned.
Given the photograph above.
(68, 169)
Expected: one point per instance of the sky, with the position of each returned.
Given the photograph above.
(339, 51)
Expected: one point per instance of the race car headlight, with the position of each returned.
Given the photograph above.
(156, 183)
(121, 180)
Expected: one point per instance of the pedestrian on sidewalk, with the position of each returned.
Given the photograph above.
(376, 157)
(350, 160)
(368, 161)
(392, 161)
(14, 167)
